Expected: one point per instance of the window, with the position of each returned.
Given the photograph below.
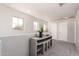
(35, 25)
(17, 23)
(45, 27)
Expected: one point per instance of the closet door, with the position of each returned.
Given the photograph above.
(62, 31)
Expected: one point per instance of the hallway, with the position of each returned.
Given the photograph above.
(61, 48)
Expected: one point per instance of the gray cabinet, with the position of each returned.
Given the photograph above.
(39, 46)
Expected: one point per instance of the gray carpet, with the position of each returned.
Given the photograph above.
(61, 48)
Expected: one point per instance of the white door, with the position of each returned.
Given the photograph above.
(62, 31)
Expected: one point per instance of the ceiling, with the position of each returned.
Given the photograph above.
(46, 11)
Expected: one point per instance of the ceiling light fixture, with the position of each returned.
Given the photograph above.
(61, 4)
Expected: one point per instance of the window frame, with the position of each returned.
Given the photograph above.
(20, 27)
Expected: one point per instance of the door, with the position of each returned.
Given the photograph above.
(62, 31)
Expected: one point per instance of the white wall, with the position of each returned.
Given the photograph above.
(15, 42)
(71, 30)
(0, 48)
(77, 30)
(6, 15)
(15, 45)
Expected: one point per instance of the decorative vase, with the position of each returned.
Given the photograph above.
(40, 34)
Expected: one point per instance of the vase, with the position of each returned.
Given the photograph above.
(40, 34)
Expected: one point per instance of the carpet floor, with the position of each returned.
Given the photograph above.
(61, 48)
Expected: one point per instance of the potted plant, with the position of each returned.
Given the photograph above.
(40, 30)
